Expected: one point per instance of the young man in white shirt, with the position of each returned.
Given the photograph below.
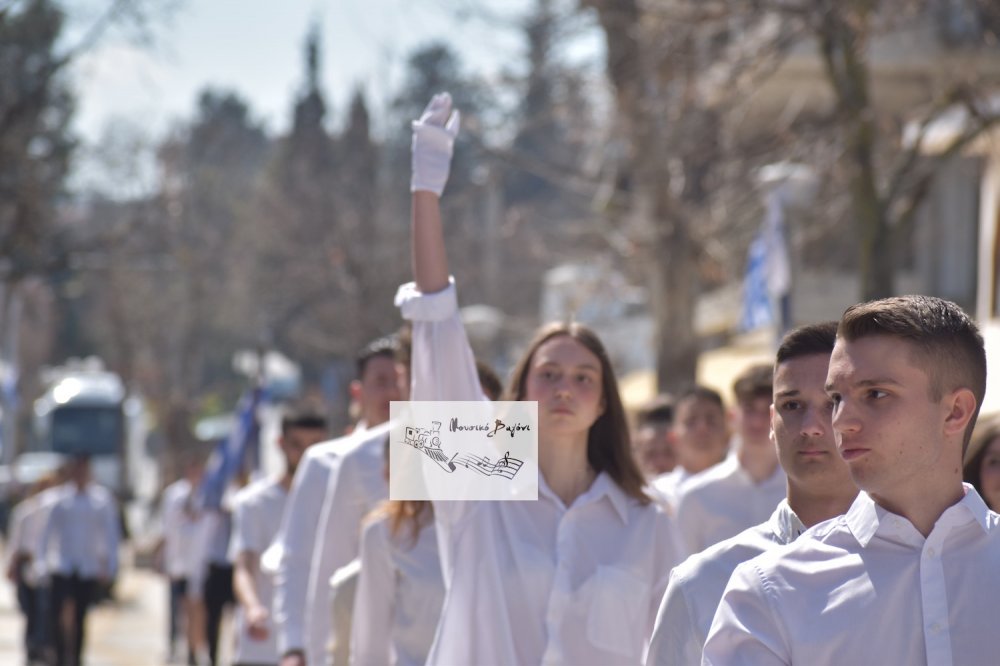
(653, 439)
(910, 574)
(701, 439)
(257, 511)
(741, 491)
(308, 551)
(80, 542)
(819, 487)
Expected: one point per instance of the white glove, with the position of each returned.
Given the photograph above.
(433, 140)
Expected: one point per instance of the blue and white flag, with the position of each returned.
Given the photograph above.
(768, 278)
(231, 453)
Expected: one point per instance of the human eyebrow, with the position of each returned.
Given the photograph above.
(786, 394)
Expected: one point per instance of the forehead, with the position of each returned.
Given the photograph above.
(564, 350)
(802, 373)
(379, 364)
(875, 357)
(695, 404)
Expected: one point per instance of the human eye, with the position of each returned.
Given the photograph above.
(876, 394)
(584, 378)
(790, 406)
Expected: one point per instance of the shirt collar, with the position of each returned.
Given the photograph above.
(785, 523)
(865, 516)
(603, 486)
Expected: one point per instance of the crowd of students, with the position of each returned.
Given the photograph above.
(822, 519)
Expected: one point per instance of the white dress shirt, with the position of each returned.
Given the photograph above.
(534, 582)
(27, 522)
(257, 511)
(868, 588)
(82, 532)
(724, 500)
(668, 487)
(399, 596)
(357, 485)
(294, 599)
(696, 587)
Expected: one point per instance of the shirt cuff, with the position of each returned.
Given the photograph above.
(418, 306)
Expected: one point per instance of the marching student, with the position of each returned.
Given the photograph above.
(741, 491)
(257, 511)
(80, 543)
(576, 576)
(819, 487)
(321, 523)
(909, 575)
(653, 439)
(982, 461)
(701, 440)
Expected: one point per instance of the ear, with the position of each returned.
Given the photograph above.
(355, 390)
(960, 405)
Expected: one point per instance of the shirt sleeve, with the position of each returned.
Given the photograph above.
(677, 640)
(15, 544)
(371, 634)
(241, 541)
(296, 538)
(689, 524)
(746, 631)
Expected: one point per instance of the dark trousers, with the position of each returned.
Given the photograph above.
(178, 586)
(218, 595)
(27, 600)
(82, 592)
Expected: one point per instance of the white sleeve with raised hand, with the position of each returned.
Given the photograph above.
(745, 630)
(371, 632)
(297, 537)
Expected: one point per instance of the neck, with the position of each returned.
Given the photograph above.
(759, 462)
(287, 478)
(813, 508)
(923, 508)
(563, 463)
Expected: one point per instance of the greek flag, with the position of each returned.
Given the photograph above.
(767, 282)
(232, 452)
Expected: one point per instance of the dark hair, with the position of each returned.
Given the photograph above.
(609, 447)
(806, 341)
(947, 342)
(757, 381)
(489, 380)
(302, 417)
(658, 411)
(986, 431)
(385, 347)
(699, 392)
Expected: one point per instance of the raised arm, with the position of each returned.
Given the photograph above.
(433, 142)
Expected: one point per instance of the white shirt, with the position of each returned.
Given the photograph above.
(356, 486)
(27, 522)
(868, 588)
(696, 587)
(343, 586)
(723, 501)
(667, 487)
(257, 511)
(82, 532)
(179, 527)
(399, 596)
(534, 582)
(297, 536)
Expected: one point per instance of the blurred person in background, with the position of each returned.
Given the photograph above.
(80, 545)
(743, 490)
(398, 597)
(653, 441)
(320, 526)
(701, 440)
(257, 511)
(982, 461)
(25, 566)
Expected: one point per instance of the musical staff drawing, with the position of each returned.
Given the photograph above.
(506, 467)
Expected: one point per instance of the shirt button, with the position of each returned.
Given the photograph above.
(931, 552)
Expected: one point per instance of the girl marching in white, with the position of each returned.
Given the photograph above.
(576, 576)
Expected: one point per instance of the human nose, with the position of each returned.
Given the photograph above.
(844, 418)
(815, 422)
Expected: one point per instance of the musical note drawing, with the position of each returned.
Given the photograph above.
(428, 441)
